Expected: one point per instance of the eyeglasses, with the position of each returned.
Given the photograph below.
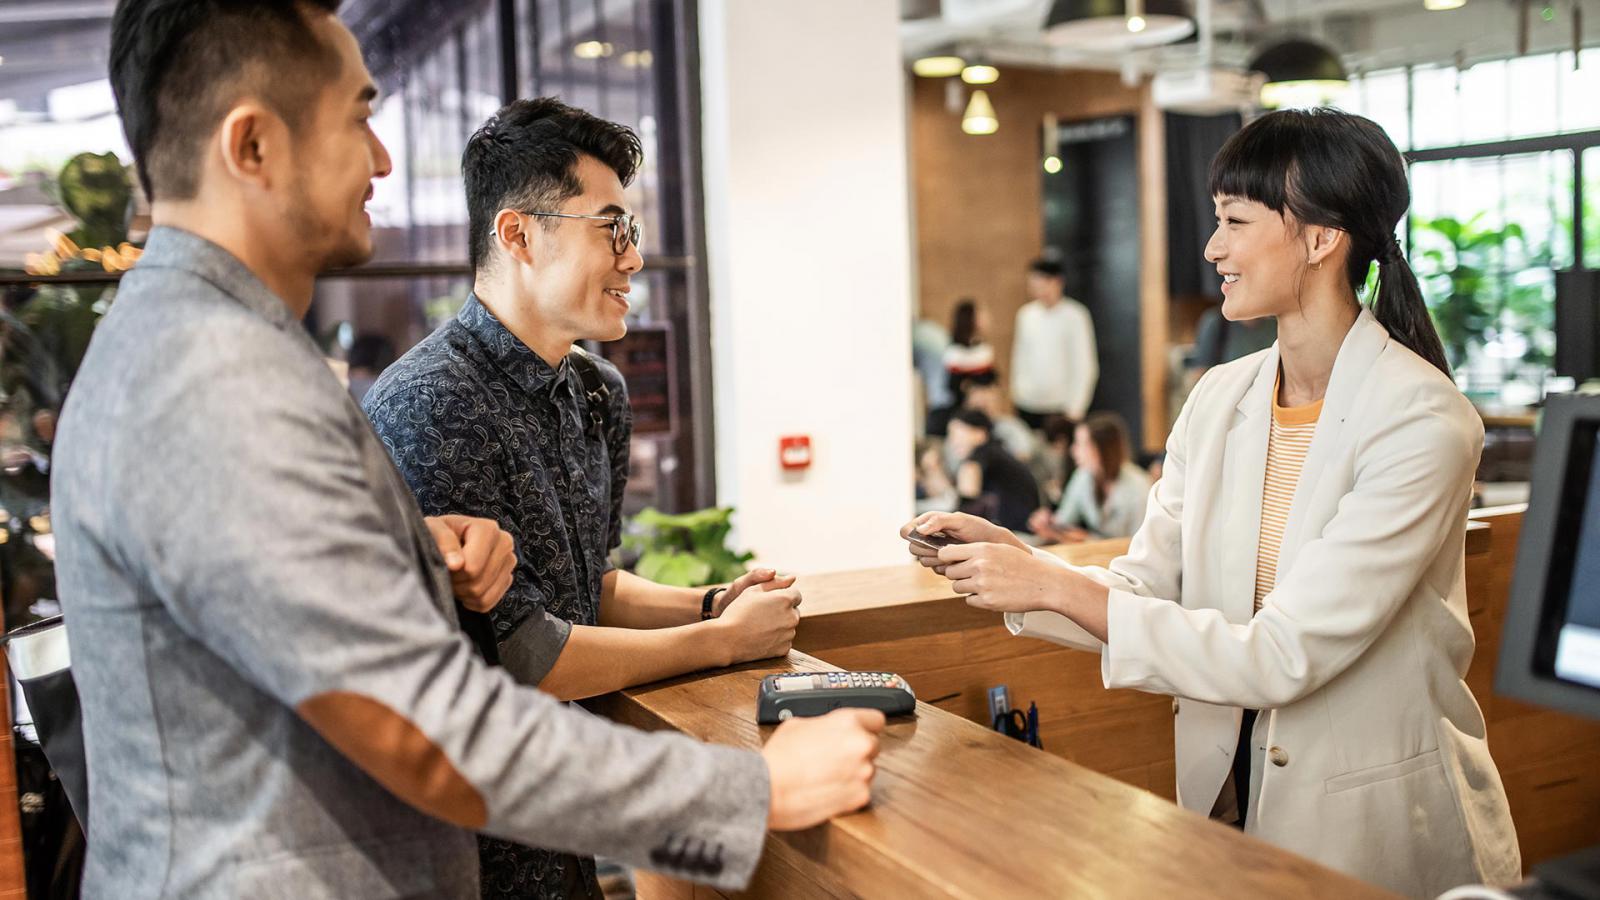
(625, 229)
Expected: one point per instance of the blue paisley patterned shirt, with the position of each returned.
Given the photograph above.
(480, 425)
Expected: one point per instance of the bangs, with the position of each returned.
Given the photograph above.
(1257, 163)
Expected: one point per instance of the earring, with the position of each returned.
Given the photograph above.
(1315, 267)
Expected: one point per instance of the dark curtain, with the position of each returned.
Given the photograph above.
(1192, 141)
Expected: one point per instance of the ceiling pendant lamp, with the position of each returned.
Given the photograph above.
(941, 65)
(980, 118)
(1117, 24)
(1299, 72)
(980, 73)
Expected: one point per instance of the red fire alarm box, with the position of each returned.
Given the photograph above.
(794, 451)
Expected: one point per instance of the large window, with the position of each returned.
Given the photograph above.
(1495, 162)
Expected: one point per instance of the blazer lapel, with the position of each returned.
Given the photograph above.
(1243, 472)
(1357, 353)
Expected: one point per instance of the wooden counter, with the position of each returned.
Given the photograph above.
(960, 811)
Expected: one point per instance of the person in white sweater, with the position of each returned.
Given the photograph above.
(1054, 363)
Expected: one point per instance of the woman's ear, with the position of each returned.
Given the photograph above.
(1322, 242)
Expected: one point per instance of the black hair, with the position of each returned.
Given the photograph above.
(1047, 266)
(1334, 169)
(1057, 427)
(973, 418)
(964, 323)
(178, 66)
(525, 157)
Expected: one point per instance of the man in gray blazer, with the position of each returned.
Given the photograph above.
(276, 699)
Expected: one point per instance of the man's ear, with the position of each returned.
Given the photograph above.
(515, 236)
(1322, 242)
(253, 143)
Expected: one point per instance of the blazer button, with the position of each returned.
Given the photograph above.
(1278, 756)
(1174, 706)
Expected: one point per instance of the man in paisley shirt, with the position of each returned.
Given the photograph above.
(489, 416)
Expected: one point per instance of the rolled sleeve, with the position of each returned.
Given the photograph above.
(531, 649)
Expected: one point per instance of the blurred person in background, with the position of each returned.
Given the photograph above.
(985, 396)
(1054, 361)
(1053, 465)
(990, 481)
(1106, 496)
(970, 354)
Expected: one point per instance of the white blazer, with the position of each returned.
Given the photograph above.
(1370, 754)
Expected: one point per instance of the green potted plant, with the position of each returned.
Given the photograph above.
(687, 549)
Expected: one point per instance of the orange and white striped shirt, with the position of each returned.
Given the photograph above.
(1293, 427)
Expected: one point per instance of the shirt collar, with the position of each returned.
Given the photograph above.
(525, 367)
(173, 248)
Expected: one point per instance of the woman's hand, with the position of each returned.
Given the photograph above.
(1011, 580)
(965, 528)
(1003, 578)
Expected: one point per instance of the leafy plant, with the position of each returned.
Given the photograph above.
(1472, 277)
(686, 550)
(95, 188)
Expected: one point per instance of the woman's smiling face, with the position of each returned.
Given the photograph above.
(1260, 255)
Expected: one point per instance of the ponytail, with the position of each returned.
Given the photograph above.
(1398, 306)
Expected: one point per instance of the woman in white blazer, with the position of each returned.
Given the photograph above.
(1368, 753)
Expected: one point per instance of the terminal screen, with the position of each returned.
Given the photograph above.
(1578, 645)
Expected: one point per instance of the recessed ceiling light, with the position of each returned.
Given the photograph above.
(1443, 4)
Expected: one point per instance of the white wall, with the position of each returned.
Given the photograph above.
(808, 229)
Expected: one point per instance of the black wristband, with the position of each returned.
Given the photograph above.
(707, 600)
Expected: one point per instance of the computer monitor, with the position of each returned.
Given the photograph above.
(1550, 647)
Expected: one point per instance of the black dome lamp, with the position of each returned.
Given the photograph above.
(1117, 24)
(1299, 72)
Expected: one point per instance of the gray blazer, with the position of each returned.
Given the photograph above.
(277, 700)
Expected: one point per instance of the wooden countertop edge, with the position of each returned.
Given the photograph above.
(852, 851)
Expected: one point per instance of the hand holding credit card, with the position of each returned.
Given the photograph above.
(932, 541)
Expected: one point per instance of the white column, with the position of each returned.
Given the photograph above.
(808, 229)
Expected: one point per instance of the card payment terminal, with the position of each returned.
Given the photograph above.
(816, 693)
